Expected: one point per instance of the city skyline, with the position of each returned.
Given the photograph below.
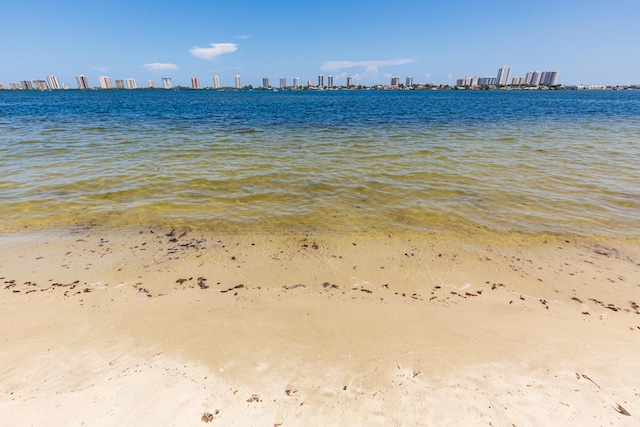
(435, 42)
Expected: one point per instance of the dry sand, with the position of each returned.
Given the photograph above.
(155, 327)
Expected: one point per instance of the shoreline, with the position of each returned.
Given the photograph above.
(151, 325)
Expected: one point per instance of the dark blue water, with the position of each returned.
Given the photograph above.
(329, 161)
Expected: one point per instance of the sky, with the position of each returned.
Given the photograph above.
(434, 41)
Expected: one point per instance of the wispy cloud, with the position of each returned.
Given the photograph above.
(368, 65)
(245, 37)
(103, 69)
(160, 66)
(216, 49)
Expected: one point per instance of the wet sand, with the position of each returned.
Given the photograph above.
(175, 327)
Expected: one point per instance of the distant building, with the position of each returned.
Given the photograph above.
(535, 78)
(166, 83)
(54, 84)
(349, 81)
(237, 82)
(283, 82)
(120, 84)
(40, 85)
(409, 82)
(3, 86)
(549, 78)
(151, 84)
(15, 86)
(26, 85)
(132, 83)
(83, 82)
(265, 82)
(395, 81)
(330, 81)
(320, 80)
(503, 76)
(309, 82)
(296, 82)
(195, 83)
(216, 82)
(105, 82)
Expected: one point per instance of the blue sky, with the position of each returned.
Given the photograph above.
(588, 41)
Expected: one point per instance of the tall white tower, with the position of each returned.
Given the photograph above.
(503, 76)
(237, 81)
(216, 82)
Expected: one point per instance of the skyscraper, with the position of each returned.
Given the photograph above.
(395, 81)
(549, 78)
(216, 82)
(106, 83)
(283, 82)
(296, 82)
(237, 82)
(265, 82)
(535, 78)
(119, 84)
(54, 84)
(83, 82)
(195, 83)
(132, 83)
(320, 80)
(503, 76)
(151, 84)
(330, 81)
(349, 81)
(409, 82)
(166, 82)
(40, 85)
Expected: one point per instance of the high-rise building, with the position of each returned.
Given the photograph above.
(409, 82)
(3, 86)
(237, 82)
(151, 84)
(549, 78)
(349, 81)
(330, 81)
(503, 76)
(132, 83)
(83, 82)
(26, 85)
(54, 84)
(535, 78)
(265, 82)
(195, 83)
(40, 85)
(15, 86)
(106, 83)
(296, 82)
(395, 81)
(166, 83)
(320, 80)
(119, 84)
(309, 82)
(283, 82)
(216, 82)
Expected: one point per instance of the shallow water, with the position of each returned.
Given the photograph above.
(332, 161)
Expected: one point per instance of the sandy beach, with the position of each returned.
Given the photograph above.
(174, 327)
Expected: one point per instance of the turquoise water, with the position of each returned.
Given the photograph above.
(332, 161)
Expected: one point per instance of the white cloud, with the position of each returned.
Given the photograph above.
(159, 66)
(369, 65)
(216, 49)
(95, 67)
(243, 37)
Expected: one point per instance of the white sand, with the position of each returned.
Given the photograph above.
(98, 328)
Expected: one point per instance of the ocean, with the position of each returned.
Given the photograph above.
(340, 162)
